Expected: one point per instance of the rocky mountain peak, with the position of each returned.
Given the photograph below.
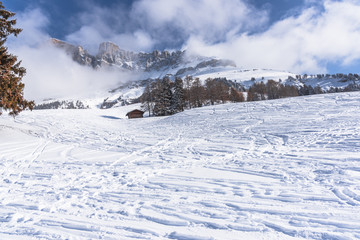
(78, 53)
(69, 48)
(111, 55)
(108, 48)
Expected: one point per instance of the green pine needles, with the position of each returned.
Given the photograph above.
(11, 73)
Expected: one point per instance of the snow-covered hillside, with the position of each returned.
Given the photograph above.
(284, 169)
(126, 93)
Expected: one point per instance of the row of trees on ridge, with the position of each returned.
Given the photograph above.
(164, 97)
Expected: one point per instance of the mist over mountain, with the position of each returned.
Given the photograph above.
(133, 71)
(110, 55)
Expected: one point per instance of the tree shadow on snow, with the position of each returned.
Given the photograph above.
(110, 117)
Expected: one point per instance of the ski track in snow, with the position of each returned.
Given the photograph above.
(284, 169)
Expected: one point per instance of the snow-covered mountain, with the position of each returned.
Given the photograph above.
(157, 64)
(160, 63)
(111, 55)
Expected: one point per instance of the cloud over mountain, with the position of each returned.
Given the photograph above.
(50, 72)
(308, 39)
(166, 24)
(306, 42)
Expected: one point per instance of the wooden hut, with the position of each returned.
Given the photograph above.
(135, 114)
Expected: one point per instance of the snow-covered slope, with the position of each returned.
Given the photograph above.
(126, 93)
(244, 77)
(284, 169)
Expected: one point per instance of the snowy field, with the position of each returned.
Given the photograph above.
(284, 169)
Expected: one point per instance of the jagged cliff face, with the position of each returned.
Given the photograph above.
(78, 53)
(112, 56)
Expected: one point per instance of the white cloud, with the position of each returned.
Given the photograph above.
(322, 32)
(50, 72)
(53, 74)
(304, 43)
(166, 23)
(33, 22)
(91, 38)
(211, 20)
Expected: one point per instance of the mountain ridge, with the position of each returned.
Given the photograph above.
(110, 55)
(146, 67)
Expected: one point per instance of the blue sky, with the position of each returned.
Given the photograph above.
(62, 13)
(302, 36)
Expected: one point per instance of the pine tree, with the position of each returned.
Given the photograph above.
(188, 81)
(167, 96)
(146, 99)
(156, 90)
(318, 90)
(11, 73)
(163, 100)
(178, 101)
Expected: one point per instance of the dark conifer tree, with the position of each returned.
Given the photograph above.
(178, 101)
(156, 90)
(147, 99)
(188, 81)
(167, 95)
(11, 73)
(163, 102)
(318, 90)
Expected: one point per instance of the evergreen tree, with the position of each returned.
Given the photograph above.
(11, 73)
(187, 87)
(178, 100)
(156, 89)
(166, 95)
(163, 102)
(146, 99)
(318, 90)
(306, 90)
